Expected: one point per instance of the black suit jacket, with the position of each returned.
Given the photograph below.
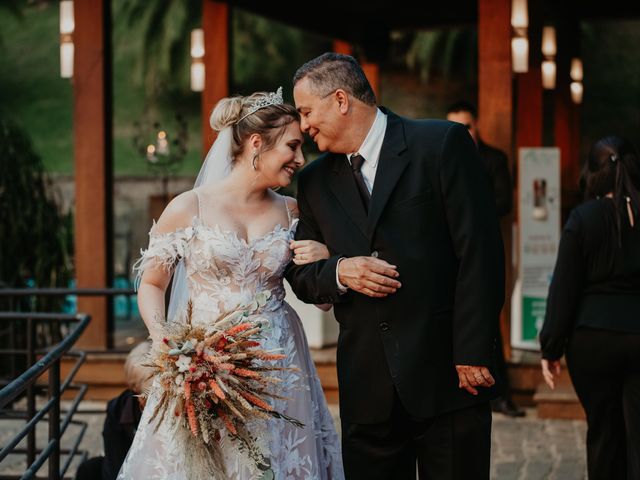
(432, 215)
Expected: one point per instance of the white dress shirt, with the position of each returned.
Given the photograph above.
(370, 151)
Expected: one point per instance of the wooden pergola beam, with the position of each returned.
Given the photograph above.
(92, 120)
(529, 98)
(215, 23)
(566, 126)
(495, 110)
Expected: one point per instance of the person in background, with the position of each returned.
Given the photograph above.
(497, 166)
(593, 309)
(121, 421)
(495, 160)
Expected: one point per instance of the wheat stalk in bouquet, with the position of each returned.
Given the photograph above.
(215, 379)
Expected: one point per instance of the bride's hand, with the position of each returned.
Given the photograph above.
(308, 251)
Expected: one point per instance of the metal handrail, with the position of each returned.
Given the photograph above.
(50, 363)
(13, 295)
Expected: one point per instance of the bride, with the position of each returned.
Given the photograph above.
(228, 238)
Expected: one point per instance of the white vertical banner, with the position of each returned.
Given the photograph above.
(538, 238)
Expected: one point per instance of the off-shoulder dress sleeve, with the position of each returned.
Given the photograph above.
(164, 251)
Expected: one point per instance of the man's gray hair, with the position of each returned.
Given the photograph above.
(331, 71)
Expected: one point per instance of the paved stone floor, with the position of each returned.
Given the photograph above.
(523, 449)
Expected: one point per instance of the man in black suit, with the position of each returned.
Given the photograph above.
(494, 159)
(415, 276)
(497, 166)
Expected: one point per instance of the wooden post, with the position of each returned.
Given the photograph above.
(529, 109)
(495, 111)
(340, 46)
(93, 163)
(566, 116)
(529, 100)
(372, 72)
(215, 23)
(494, 75)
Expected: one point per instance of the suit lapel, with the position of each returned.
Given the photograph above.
(390, 167)
(344, 188)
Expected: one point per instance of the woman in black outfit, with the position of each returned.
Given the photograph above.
(593, 309)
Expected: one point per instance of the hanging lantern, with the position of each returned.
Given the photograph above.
(67, 26)
(197, 60)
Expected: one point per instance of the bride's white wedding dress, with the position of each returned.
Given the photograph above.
(224, 271)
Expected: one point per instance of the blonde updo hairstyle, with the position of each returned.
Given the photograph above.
(268, 122)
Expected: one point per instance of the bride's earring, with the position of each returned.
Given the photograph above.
(630, 212)
(254, 160)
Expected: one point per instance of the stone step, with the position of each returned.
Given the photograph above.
(325, 361)
(561, 402)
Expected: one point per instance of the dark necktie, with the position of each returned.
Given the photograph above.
(356, 165)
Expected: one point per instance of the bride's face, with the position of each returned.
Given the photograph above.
(279, 164)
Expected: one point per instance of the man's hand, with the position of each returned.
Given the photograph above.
(369, 276)
(470, 376)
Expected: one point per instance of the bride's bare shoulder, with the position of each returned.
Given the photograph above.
(292, 205)
(178, 213)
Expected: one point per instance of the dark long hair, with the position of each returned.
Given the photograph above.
(613, 167)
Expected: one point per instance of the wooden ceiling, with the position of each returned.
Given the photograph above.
(370, 21)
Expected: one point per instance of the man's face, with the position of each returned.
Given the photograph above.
(320, 116)
(467, 120)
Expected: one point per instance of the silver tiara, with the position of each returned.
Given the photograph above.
(271, 98)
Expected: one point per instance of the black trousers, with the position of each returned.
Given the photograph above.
(501, 368)
(454, 445)
(605, 371)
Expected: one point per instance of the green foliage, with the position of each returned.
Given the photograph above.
(31, 91)
(35, 239)
(163, 51)
(611, 103)
(445, 52)
(266, 54)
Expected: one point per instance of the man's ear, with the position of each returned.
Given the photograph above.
(342, 98)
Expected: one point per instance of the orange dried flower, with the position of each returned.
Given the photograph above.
(243, 372)
(257, 401)
(226, 366)
(216, 389)
(238, 328)
(228, 423)
(270, 356)
(193, 420)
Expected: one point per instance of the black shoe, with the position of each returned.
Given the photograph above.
(507, 407)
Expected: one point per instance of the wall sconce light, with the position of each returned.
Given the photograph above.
(67, 26)
(549, 50)
(197, 60)
(520, 40)
(520, 54)
(549, 46)
(577, 74)
(549, 74)
(577, 91)
(576, 70)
